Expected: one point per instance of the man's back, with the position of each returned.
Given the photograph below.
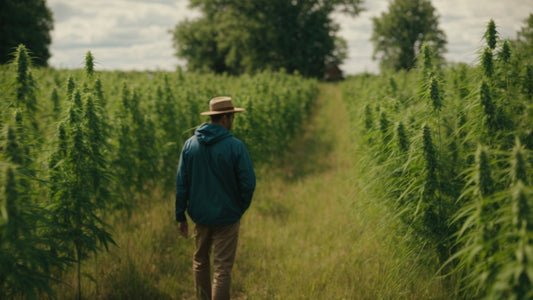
(215, 179)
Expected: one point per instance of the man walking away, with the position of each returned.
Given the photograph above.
(215, 184)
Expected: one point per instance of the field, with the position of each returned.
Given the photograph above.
(307, 234)
(409, 185)
(449, 150)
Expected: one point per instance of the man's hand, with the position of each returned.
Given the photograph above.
(184, 229)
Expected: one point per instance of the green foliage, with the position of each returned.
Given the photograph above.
(25, 261)
(102, 141)
(75, 184)
(54, 97)
(27, 22)
(26, 257)
(12, 149)
(483, 177)
(432, 92)
(488, 106)
(528, 82)
(463, 184)
(384, 127)
(403, 141)
(430, 155)
(426, 60)
(249, 36)
(89, 64)
(136, 159)
(70, 86)
(25, 97)
(524, 40)
(487, 64)
(398, 33)
(505, 54)
(368, 117)
(491, 35)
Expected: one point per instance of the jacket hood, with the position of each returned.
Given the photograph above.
(209, 134)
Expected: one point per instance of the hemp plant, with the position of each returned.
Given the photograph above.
(489, 108)
(491, 38)
(433, 92)
(98, 174)
(369, 121)
(75, 207)
(136, 159)
(384, 128)
(479, 228)
(71, 85)
(512, 278)
(426, 62)
(25, 97)
(433, 219)
(56, 106)
(491, 35)
(527, 82)
(26, 259)
(123, 161)
(487, 63)
(403, 141)
(89, 64)
(168, 121)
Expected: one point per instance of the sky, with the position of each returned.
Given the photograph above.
(134, 34)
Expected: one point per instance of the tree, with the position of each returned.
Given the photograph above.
(399, 33)
(524, 40)
(27, 22)
(245, 36)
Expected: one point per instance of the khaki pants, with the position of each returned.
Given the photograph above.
(223, 241)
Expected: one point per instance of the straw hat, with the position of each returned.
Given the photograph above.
(221, 105)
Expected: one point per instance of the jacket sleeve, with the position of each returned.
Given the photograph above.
(182, 188)
(246, 177)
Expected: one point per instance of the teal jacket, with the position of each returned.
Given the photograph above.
(215, 180)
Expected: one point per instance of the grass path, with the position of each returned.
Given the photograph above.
(308, 236)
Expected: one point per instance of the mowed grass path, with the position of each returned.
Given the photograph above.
(308, 235)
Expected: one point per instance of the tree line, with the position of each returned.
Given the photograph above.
(245, 36)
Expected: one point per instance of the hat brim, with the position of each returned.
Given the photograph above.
(234, 110)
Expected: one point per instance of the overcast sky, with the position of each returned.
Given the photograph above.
(133, 34)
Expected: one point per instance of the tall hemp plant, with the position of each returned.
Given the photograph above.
(461, 183)
(169, 124)
(436, 196)
(75, 188)
(136, 158)
(494, 256)
(26, 259)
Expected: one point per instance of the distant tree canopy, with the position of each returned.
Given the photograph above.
(238, 36)
(525, 40)
(27, 22)
(399, 33)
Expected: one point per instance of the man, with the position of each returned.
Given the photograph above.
(215, 184)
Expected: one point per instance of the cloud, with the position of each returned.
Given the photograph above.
(129, 35)
(133, 34)
(62, 11)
